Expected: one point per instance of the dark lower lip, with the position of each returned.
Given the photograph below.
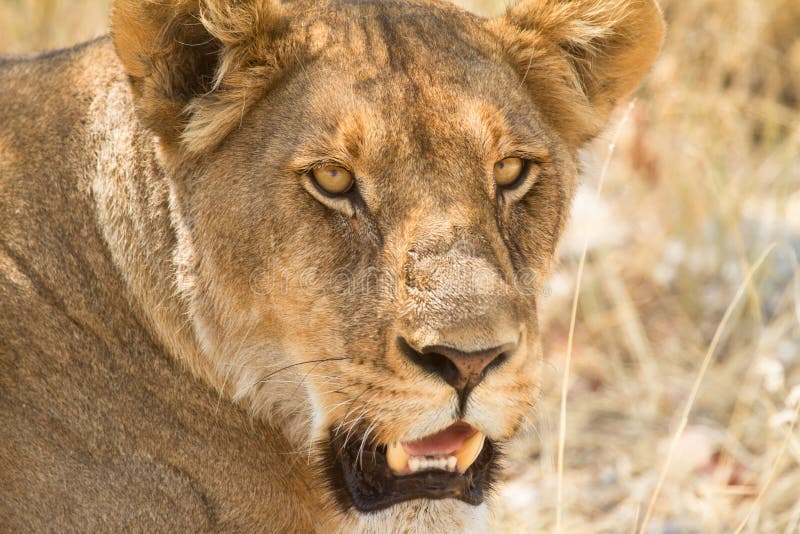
(362, 480)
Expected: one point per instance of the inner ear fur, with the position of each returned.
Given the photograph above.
(194, 64)
(579, 57)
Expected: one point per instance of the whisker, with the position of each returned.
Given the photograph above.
(360, 456)
(360, 417)
(344, 419)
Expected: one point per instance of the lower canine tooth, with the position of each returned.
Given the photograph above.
(469, 451)
(397, 458)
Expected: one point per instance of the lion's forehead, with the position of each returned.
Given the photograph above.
(416, 90)
(392, 34)
(407, 47)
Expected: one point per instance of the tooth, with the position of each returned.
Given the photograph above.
(451, 463)
(469, 451)
(413, 464)
(397, 458)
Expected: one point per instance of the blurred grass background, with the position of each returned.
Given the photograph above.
(705, 177)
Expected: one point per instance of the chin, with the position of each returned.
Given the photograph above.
(444, 515)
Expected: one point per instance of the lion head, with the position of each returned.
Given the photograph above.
(367, 197)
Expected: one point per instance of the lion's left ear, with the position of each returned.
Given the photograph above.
(579, 57)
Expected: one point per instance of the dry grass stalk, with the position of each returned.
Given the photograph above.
(570, 338)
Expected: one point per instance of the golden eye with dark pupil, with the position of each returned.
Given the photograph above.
(333, 179)
(507, 171)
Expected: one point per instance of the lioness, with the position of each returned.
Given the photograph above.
(274, 266)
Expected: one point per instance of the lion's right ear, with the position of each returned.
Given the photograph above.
(193, 63)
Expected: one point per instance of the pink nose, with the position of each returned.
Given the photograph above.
(462, 370)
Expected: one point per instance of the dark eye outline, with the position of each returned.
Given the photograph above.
(534, 168)
(313, 179)
(527, 163)
(347, 203)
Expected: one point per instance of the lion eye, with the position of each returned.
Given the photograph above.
(507, 171)
(333, 179)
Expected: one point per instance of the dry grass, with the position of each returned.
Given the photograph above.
(36, 25)
(706, 176)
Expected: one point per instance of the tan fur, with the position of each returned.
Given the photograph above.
(184, 319)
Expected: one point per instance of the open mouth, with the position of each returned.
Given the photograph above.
(456, 462)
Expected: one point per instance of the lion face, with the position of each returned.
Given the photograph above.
(405, 301)
(361, 244)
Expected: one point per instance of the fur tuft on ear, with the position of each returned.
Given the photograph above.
(579, 57)
(194, 65)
